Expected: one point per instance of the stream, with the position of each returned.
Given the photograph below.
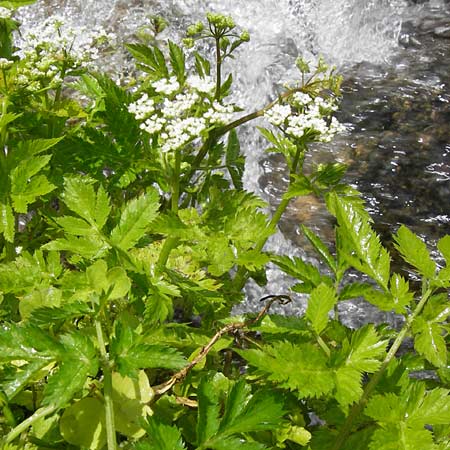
(395, 59)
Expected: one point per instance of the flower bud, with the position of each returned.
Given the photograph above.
(245, 36)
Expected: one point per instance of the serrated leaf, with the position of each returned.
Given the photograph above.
(261, 411)
(301, 368)
(369, 256)
(348, 386)
(429, 341)
(414, 252)
(130, 354)
(177, 61)
(152, 59)
(355, 290)
(135, 220)
(87, 247)
(80, 197)
(320, 247)
(7, 222)
(301, 270)
(396, 437)
(202, 65)
(11, 386)
(74, 225)
(209, 395)
(329, 174)
(401, 295)
(321, 301)
(80, 362)
(27, 343)
(161, 436)
(234, 160)
(299, 187)
(36, 146)
(36, 187)
(366, 349)
(444, 247)
(48, 315)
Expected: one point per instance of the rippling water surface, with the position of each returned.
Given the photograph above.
(395, 57)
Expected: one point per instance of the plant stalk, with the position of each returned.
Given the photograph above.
(358, 407)
(19, 429)
(242, 273)
(107, 389)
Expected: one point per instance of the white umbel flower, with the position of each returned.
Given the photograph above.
(166, 86)
(278, 114)
(204, 85)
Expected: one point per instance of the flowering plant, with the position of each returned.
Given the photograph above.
(126, 237)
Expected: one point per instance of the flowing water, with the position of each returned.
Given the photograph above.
(394, 55)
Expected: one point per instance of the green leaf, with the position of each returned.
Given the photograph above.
(401, 295)
(355, 290)
(137, 215)
(414, 252)
(396, 437)
(361, 355)
(7, 222)
(320, 247)
(369, 256)
(27, 343)
(177, 61)
(299, 187)
(83, 424)
(161, 436)
(444, 247)
(74, 225)
(209, 395)
(321, 301)
(152, 59)
(234, 160)
(429, 341)
(48, 315)
(80, 197)
(365, 350)
(37, 186)
(305, 272)
(80, 362)
(130, 396)
(130, 354)
(87, 247)
(202, 65)
(329, 174)
(261, 411)
(301, 368)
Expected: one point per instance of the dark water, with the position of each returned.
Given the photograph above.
(398, 149)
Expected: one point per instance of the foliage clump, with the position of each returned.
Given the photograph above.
(126, 237)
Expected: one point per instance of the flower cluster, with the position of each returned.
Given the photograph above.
(183, 113)
(306, 116)
(5, 13)
(52, 50)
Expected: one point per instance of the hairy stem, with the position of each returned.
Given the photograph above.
(19, 429)
(107, 389)
(371, 385)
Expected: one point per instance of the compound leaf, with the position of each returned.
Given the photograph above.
(321, 301)
(135, 220)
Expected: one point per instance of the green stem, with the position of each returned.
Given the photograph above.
(242, 274)
(218, 69)
(371, 385)
(107, 389)
(17, 431)
(171, 242)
